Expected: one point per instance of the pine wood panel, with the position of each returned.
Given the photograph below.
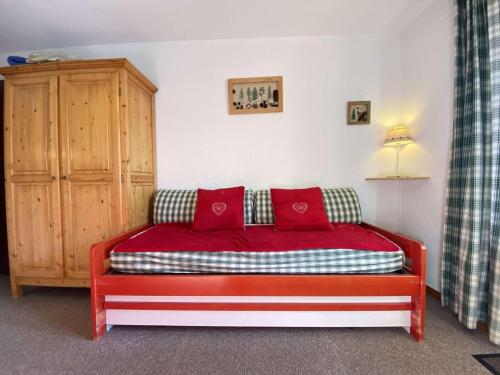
(31, 171)
(89, 219)
(140, 166)
(53, 281)
(33, 251)
(141, 204)
(63, 66)
(30, 130)
(4, 254)
(87, 116)
(89, 127)
(89, 164)
(141, 129)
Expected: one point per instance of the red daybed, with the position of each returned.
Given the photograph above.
(274, 300)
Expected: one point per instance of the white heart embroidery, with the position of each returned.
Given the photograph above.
(300, 207)
(218, 208)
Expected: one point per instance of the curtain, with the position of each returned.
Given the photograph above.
(471, 263)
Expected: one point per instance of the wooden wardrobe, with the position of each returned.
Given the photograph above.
(79, 164)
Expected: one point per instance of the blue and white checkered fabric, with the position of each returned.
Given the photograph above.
(341, 206)
(471, 246)
(178, 206)
(319, 261)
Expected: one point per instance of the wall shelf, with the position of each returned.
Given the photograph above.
(397, 178)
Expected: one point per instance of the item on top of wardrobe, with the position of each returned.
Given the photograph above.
(50, 56)
(16, 60)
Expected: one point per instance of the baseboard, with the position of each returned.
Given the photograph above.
(437, 295)
(433, 292)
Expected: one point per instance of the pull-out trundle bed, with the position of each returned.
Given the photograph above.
(288, 297)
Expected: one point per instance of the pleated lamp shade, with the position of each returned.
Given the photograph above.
(397, 136)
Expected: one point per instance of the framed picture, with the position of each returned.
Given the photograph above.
(255, 95)
(358, 113)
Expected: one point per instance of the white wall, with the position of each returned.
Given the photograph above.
(407, 77)
(200, 144)
(427, 85)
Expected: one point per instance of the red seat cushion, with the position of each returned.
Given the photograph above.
(170, 237)
(220, 209)
(299, 209)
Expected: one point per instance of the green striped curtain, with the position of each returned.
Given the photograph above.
(471, 264)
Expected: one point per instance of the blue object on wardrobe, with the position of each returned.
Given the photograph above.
(16, 60)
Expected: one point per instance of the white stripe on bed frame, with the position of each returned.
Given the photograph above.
(256, 299)
(259, 318)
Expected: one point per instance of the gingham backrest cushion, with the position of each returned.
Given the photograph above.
(263, 207)
(248, 206)
(341, 205)
(178, 206)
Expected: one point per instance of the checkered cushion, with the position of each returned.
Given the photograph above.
(248, 202)
(281, 262)
(263, 207)
(341, 205)
(174, 206)
(178, 206)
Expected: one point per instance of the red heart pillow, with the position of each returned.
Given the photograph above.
(220, 209)
(299, 209)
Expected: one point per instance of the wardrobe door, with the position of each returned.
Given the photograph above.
(31, 177)
(141, 154)
(90, 178)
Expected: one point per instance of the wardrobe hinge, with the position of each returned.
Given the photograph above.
(119, 91)
(123, 179)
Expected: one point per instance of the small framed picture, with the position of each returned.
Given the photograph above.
(255, 95)
(358, 113)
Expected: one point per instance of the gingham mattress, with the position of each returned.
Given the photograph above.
(174, 248)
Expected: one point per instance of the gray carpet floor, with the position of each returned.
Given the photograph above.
(48, 332)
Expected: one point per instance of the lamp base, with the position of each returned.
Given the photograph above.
(398, 176)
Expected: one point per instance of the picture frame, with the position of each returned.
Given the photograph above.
(358, 112)
(255, 95)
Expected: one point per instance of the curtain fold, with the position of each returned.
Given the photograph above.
(494, 256)
(471, 268)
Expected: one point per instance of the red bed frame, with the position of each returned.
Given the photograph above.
(409, 283)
